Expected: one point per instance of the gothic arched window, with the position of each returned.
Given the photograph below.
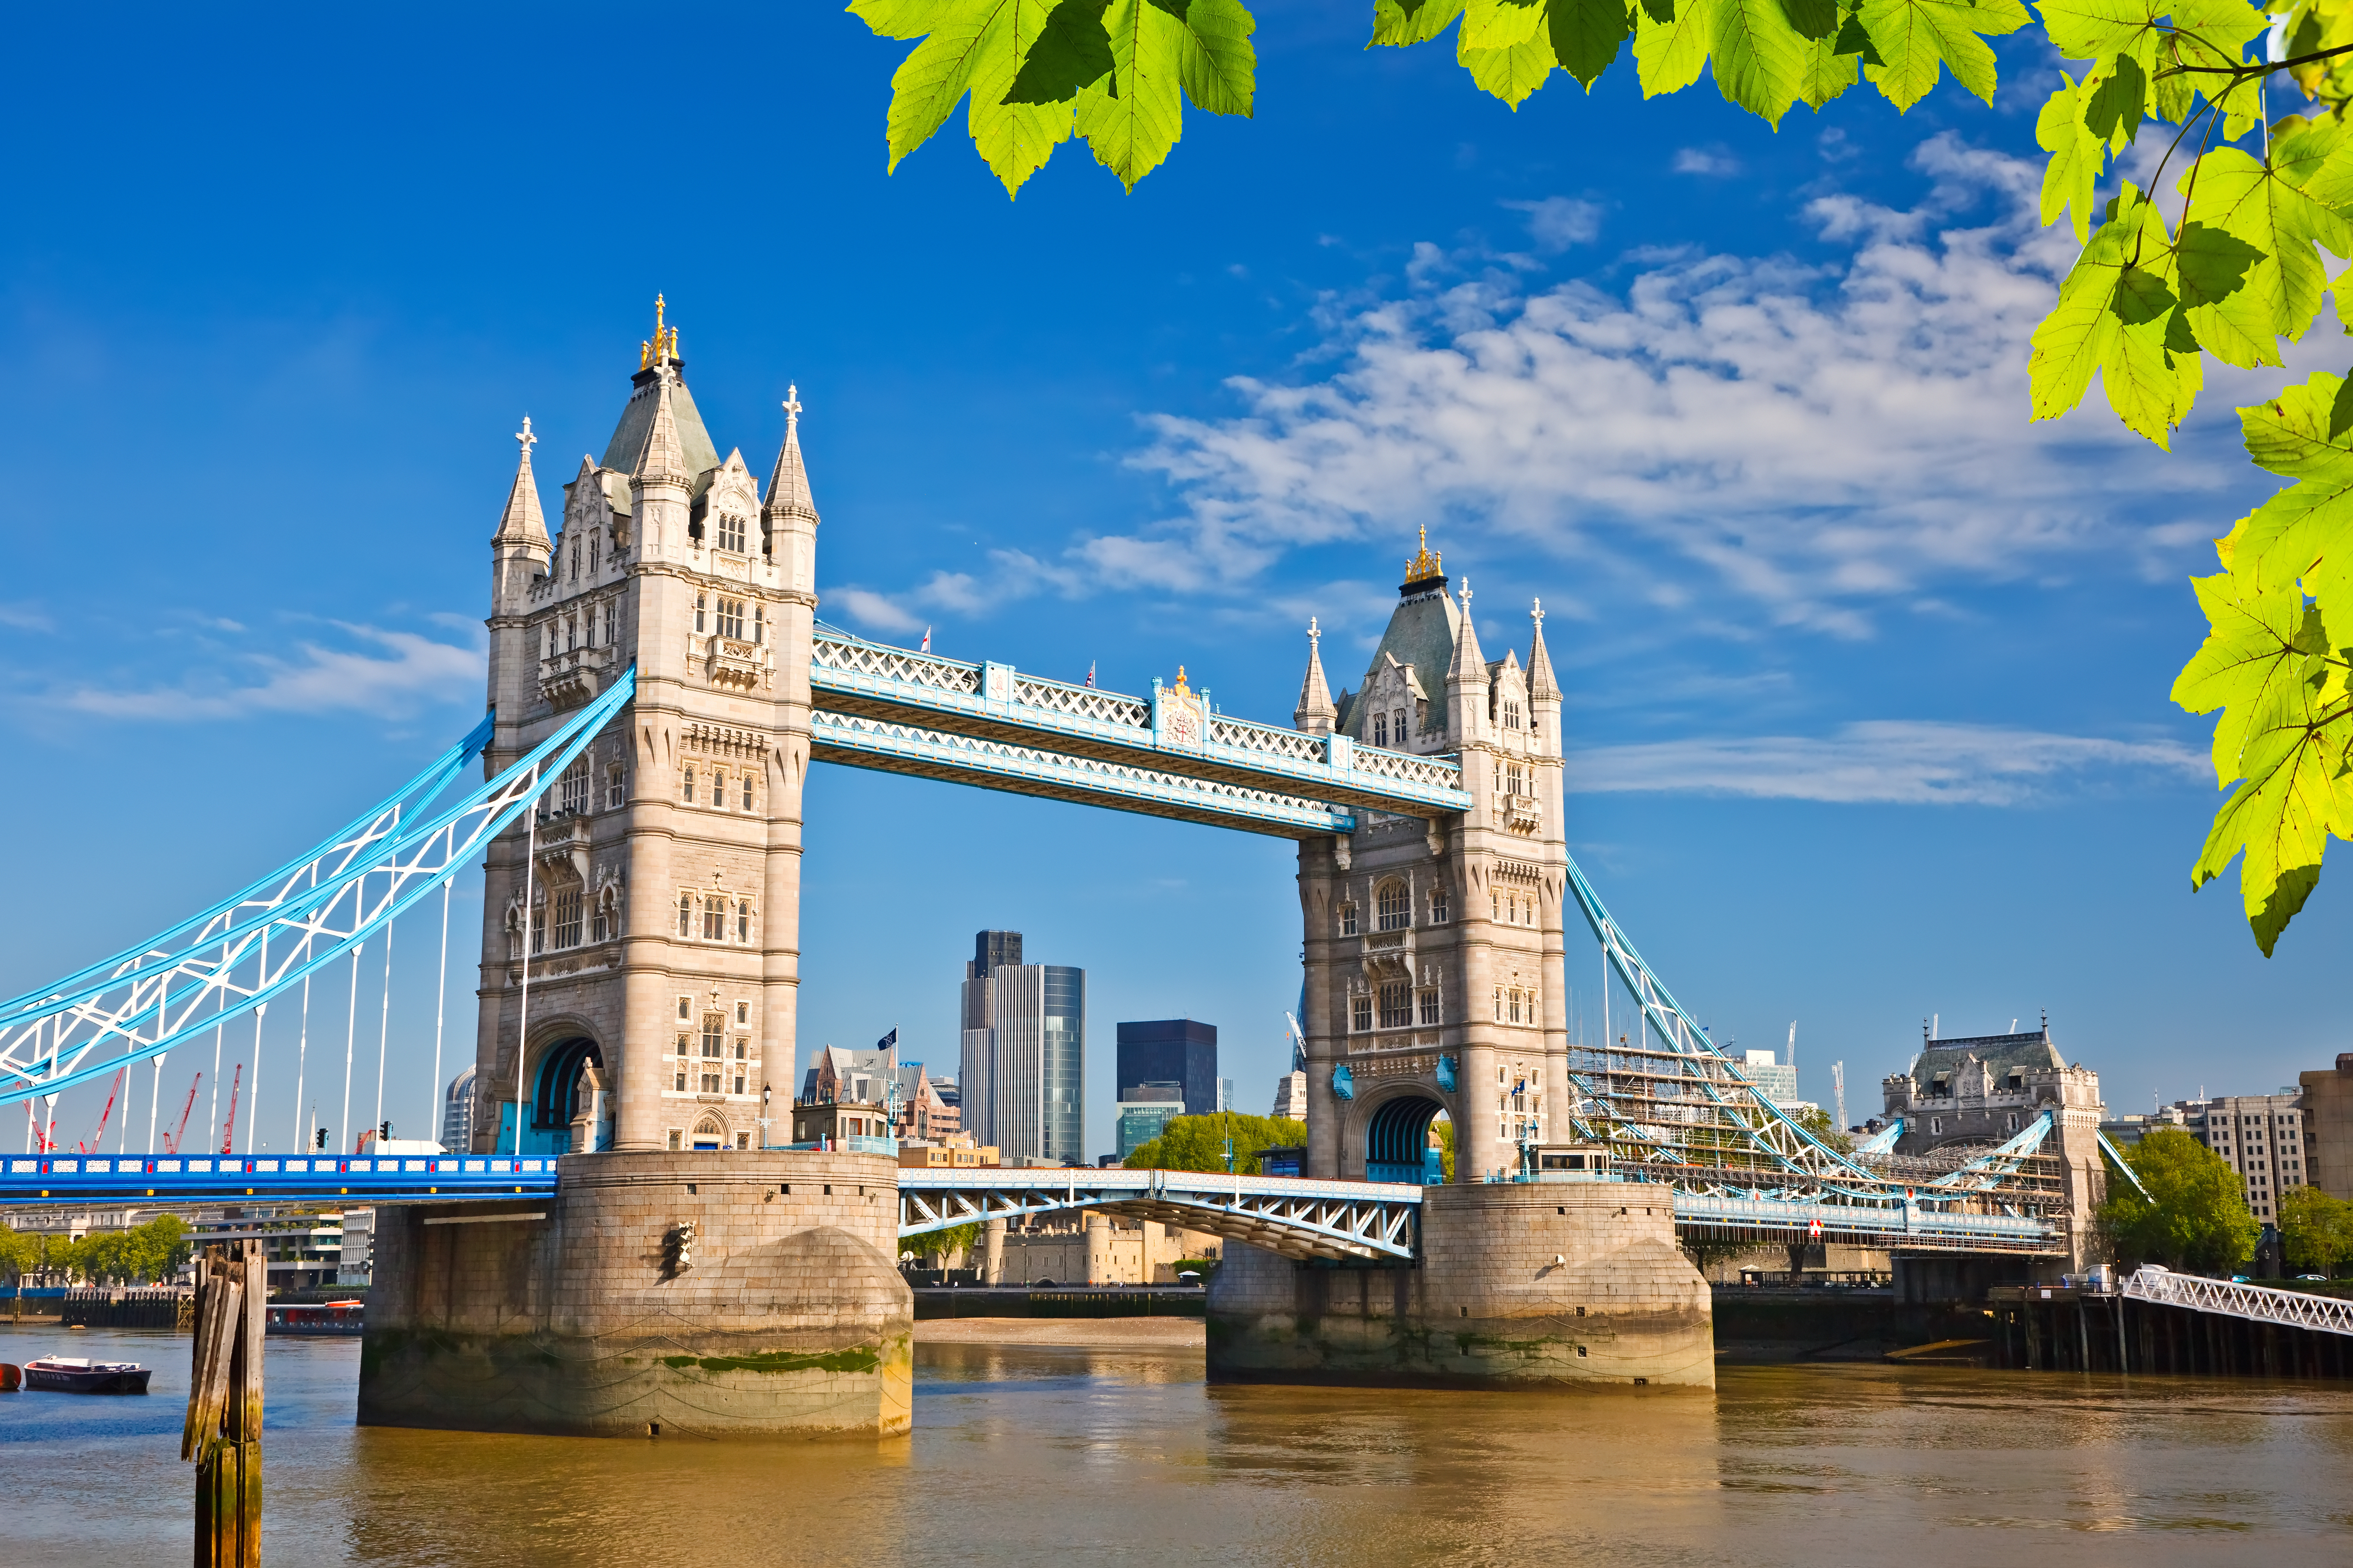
(743, 920)
(1393, 905)
(1397, 725)
(731, 532)
(715, 919)
(1437, 906)
(688, 795)
(699, 606)
(686, 914)
(747, 791)
(1380, 729)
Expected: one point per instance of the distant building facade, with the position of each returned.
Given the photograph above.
(2261, 1137)
(1291, 1095)
(457, 1113)
(1776, 1081)
(1023, 1072)
(1164, 1052)
(911, 1098)
(2327, 1103)
(1142, 1120)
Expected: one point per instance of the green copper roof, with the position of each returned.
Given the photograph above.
(1421, 633)
(637, 417)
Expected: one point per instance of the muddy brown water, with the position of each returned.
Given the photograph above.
(1035, 1454)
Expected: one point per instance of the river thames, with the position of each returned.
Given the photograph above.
(1030, 1454)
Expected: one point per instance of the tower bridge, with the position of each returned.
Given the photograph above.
(659, 685)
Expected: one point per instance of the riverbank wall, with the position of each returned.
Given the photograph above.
(1520, 1283)
(729, 1293)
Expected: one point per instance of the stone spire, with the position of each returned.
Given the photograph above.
(1315, 714)
(662, 459)
(523, 522)
(1541, 684)
(1466, 678)
(788, 486)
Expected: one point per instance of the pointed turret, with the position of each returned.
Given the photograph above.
(519, 550)
(788, 486)
(1467, 678)
(523, 522)
(1315, 713)
(660, 483)
(1541, 684)
(789, 515)
(661, 459)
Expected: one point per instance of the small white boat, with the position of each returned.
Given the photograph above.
(76, 1374)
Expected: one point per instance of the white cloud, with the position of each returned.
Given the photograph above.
(871, 609)
(26, 616)
(1557, 223)
(1709, 160)
(1904, 762)
(389, 672)
(1817, 439)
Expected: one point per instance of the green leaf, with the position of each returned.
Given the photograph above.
(932, 79)
(2117, 314)
(1915, 36)
(2095, 29)
(903, 19)
(2280, 288)
(1132, 121)
(2117, 94)
(2214, 32)
(2304, 532)
(1399, 23)
(1510, 71)
(1219, 65)
(1670, 51)
(2077, 156)
(1498, 24)
(1854, 39)
(1073, 50)
(1824, 73)
(1586, 34)
(1013, 139)
(1757, 56)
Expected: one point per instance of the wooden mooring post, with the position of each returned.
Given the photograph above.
(224, 1430)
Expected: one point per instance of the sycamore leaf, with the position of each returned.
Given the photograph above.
(1217, 64)
(1854, 39)
(1914, 37)
(1586, 34)
(1812, 20)
(1757, 56)
(2119, 314)
(1398, 22)
(1511, 74)
(2095, 29)
(1671, 51)
(975, 47)
(931, 80)
(1824, 73)
(1498, 24)
(2213, 32)
(901, 19)
(1071, 50)
(1013, 139)
(2115, 95)
(2278, 290)
(1133, 119)
(2302, 535)
(2077, 157)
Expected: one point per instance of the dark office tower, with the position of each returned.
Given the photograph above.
(1022, 1072)
(1170, 1050)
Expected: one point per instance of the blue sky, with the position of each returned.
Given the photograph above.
(1866, 675)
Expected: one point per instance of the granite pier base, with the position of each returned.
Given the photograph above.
(594, 1312)
(1527, 1284)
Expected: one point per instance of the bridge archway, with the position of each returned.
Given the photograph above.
(1397, 1139)
(562, 1064)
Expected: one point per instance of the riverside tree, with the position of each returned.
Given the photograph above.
(1199, 1143)
(2315, 1230)
(2195, 1217)
(2182, 87)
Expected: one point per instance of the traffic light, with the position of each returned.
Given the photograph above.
(322, 1138)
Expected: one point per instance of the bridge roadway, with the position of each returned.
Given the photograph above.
(1361, 1222)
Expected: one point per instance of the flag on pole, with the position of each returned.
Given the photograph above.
(928, 639)
(1091, 674)
(887, 1041)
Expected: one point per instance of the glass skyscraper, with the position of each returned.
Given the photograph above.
(1023, 1072)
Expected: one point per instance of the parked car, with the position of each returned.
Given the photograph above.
(2320, 1279)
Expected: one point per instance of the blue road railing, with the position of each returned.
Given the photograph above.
(294, 1178)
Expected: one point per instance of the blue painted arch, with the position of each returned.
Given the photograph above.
(1397, 1140)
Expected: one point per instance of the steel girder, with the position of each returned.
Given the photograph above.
(215, 968)
(1358, 1221)
(155, 1180)
(2256, 1303)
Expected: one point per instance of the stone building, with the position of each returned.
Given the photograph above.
(2261, 1137)
(2327, 1102)
(1986, 1088)
(1433, 948)
(641, 898)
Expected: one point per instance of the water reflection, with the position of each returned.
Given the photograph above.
(1022, 1454)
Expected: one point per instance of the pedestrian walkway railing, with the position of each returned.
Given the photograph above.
(2256, 1303)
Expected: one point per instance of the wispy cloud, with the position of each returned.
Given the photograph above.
(387, 672)
(1714, 162)
(1901, 762)
(1803, 441)
(1557, 223)
(26, 616)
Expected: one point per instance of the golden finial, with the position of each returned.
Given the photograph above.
(1426, 566)
(663, 348)
(1182, 690)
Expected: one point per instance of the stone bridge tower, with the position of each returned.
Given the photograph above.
(659, 914)
(1433, 953)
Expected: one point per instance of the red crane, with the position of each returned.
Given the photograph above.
(99, 1137)
(172, 1138)
(229, 1133)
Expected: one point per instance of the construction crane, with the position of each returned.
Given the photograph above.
(229, 1133)
(172, 1138)
(99, 1137)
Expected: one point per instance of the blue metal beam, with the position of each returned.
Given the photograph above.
(158, 1180)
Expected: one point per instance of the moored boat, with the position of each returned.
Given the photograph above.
(76, 1374)
(329, 1318)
